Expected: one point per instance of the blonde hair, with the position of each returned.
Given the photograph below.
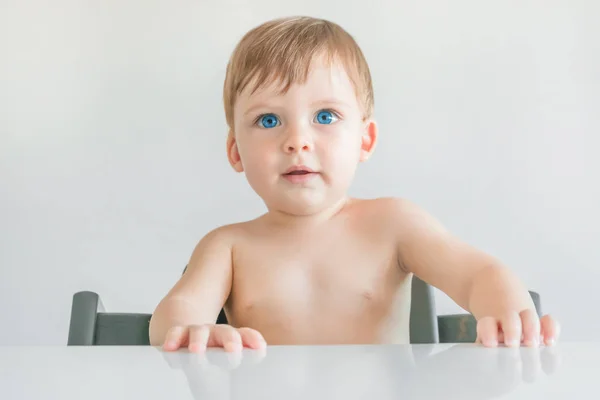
(283, 50)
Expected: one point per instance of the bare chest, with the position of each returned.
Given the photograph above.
(335, 281)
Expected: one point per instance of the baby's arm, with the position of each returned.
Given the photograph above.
(476, 281)
(186, 316)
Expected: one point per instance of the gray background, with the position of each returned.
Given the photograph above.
(112, 161)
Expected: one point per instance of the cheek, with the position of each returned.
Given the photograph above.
(258, 158)
(342, 150)
(252, 151)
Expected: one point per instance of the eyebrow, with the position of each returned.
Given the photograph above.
(253, 109)
(329, 101)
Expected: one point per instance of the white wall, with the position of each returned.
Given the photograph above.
(112, 162)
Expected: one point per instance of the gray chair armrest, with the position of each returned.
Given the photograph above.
(122, 329)
(84, 310)
(457, 328)
(537, 302)
(423, 319)
(462, 328)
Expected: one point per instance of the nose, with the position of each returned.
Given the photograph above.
(296, 141)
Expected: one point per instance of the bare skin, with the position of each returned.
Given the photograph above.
(341, 280)
(337, 281)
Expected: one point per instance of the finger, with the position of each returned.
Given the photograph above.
(511, 327)
(530, 328)
(225, 336)
(199, 336)
(252, 338)
(487, 331)
(176, 337)
(550, 330)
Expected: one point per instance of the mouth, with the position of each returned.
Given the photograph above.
(299, 170)
(299, 174)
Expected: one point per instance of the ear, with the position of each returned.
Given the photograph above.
(368, 140)
(233, 154)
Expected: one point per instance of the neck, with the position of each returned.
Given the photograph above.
(281, 218)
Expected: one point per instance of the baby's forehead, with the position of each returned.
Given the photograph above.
(329, 80)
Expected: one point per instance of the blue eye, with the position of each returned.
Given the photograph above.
(268, 121)
(326, 117)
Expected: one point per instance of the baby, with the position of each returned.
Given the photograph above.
(320, 267)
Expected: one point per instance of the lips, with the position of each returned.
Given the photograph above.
(299, 170)
(299, 174)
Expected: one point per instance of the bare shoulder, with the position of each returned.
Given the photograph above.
(412, 230)
(223, 237)
(385, 205)
(399, 212)
(225, 233)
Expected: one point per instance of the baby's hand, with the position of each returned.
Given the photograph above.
(515, 329)
(198, 337)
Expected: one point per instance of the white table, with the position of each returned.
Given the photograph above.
(565, 371)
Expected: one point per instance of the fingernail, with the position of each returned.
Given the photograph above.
(531, 342)
(234, 347)
(490, 343)
(550, 341)
(195, 348)
(512, 343)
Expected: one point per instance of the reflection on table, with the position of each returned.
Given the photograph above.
(353, 372)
